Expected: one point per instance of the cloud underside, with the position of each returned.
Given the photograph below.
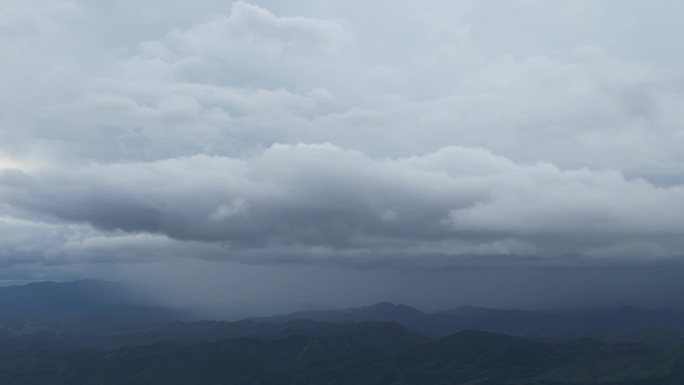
(321, 203)
(457, 135)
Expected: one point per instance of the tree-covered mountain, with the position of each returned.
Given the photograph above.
(92, 332)
(348, 353)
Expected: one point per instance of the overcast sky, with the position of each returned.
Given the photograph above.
(498, 153)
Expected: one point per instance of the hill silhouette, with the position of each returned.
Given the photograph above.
(89, 332)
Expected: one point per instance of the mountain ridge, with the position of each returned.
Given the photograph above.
(661, 326)
(92, 340)
(105, 307)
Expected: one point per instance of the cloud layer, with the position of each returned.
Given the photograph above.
(505, 134)
(454, 206)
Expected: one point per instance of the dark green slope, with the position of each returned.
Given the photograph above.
(92, 332)
(350, 353)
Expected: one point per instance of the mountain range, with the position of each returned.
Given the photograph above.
(89, 332)
(611, 325)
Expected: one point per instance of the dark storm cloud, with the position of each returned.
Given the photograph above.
(321, 199)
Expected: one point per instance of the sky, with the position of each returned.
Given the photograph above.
(296, 152)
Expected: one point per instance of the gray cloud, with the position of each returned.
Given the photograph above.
(457, 135)
(447, 207)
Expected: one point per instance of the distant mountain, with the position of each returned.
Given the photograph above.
(657, 326)
(83, 307)
(383, 311)
(61, 298)
(107, 314)
(87, 332)
(104, 312)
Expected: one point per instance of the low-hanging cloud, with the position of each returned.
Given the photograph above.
(456, 205)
